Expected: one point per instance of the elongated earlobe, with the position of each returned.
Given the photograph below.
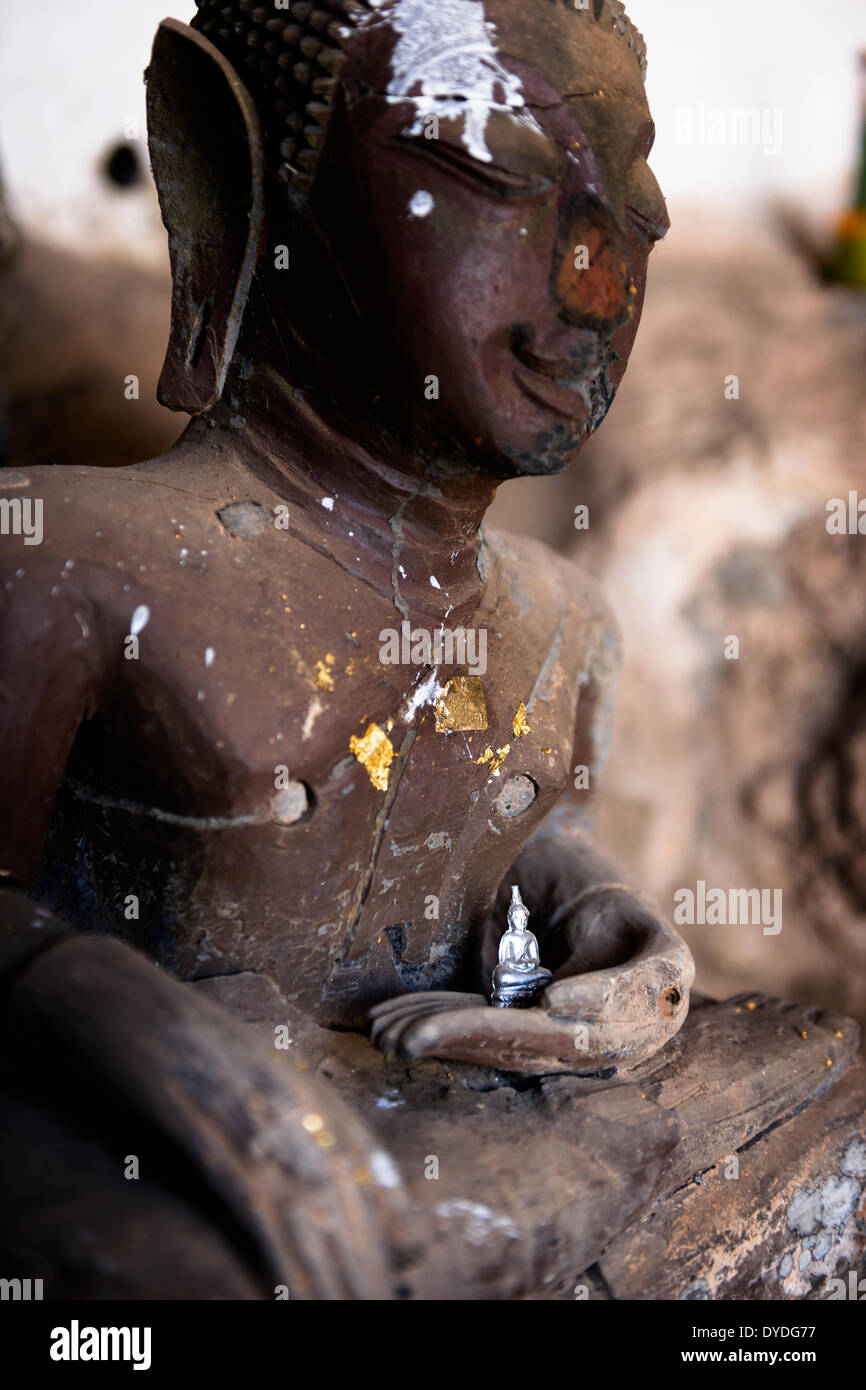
(206, 153)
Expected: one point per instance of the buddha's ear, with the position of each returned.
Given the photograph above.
(206, 153)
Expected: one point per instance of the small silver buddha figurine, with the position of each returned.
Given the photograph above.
(519, 977)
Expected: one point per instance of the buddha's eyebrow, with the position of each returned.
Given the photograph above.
(643, 124)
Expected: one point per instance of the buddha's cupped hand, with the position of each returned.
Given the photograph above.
(620, 992)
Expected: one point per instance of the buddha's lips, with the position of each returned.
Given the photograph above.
(567, 394)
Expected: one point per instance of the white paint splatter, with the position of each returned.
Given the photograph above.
(383, 1169)
(428, 691)
(479, 1223)
(421, 204)
(445, 62)
(328, 503)
(313, 712)
(209, 655)
(140, 620)
(435, 582)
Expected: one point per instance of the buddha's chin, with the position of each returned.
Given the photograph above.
(545, 454)
(565, 418)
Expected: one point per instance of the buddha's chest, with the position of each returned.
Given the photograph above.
(335, 807)
(321, 682)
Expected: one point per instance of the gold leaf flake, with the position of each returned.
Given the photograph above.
(324, 679)
(519, 725)
(375, 752)
(461, 706)
(494, 759)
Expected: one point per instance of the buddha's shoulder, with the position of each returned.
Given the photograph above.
(546, 586)
(164, 508)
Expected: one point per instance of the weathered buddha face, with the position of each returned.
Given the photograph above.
(494, 219)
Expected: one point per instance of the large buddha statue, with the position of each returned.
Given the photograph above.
(409, 244)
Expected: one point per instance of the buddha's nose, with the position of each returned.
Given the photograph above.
(593, 283)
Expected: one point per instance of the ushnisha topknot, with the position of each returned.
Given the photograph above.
(291, 61)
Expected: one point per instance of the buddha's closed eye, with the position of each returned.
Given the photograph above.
(492, 177)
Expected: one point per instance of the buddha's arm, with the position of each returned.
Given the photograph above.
(616, 961)
(50, 680)
(108, 1056)
(622, 975)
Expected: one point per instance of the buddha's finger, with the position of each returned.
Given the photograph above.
(520, 1040)
(626, 1013)
(444, 999)
(388, 1028)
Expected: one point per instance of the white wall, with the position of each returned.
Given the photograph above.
(796, 57)
(71, 76)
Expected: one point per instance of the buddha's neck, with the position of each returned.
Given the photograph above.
(409, 529)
